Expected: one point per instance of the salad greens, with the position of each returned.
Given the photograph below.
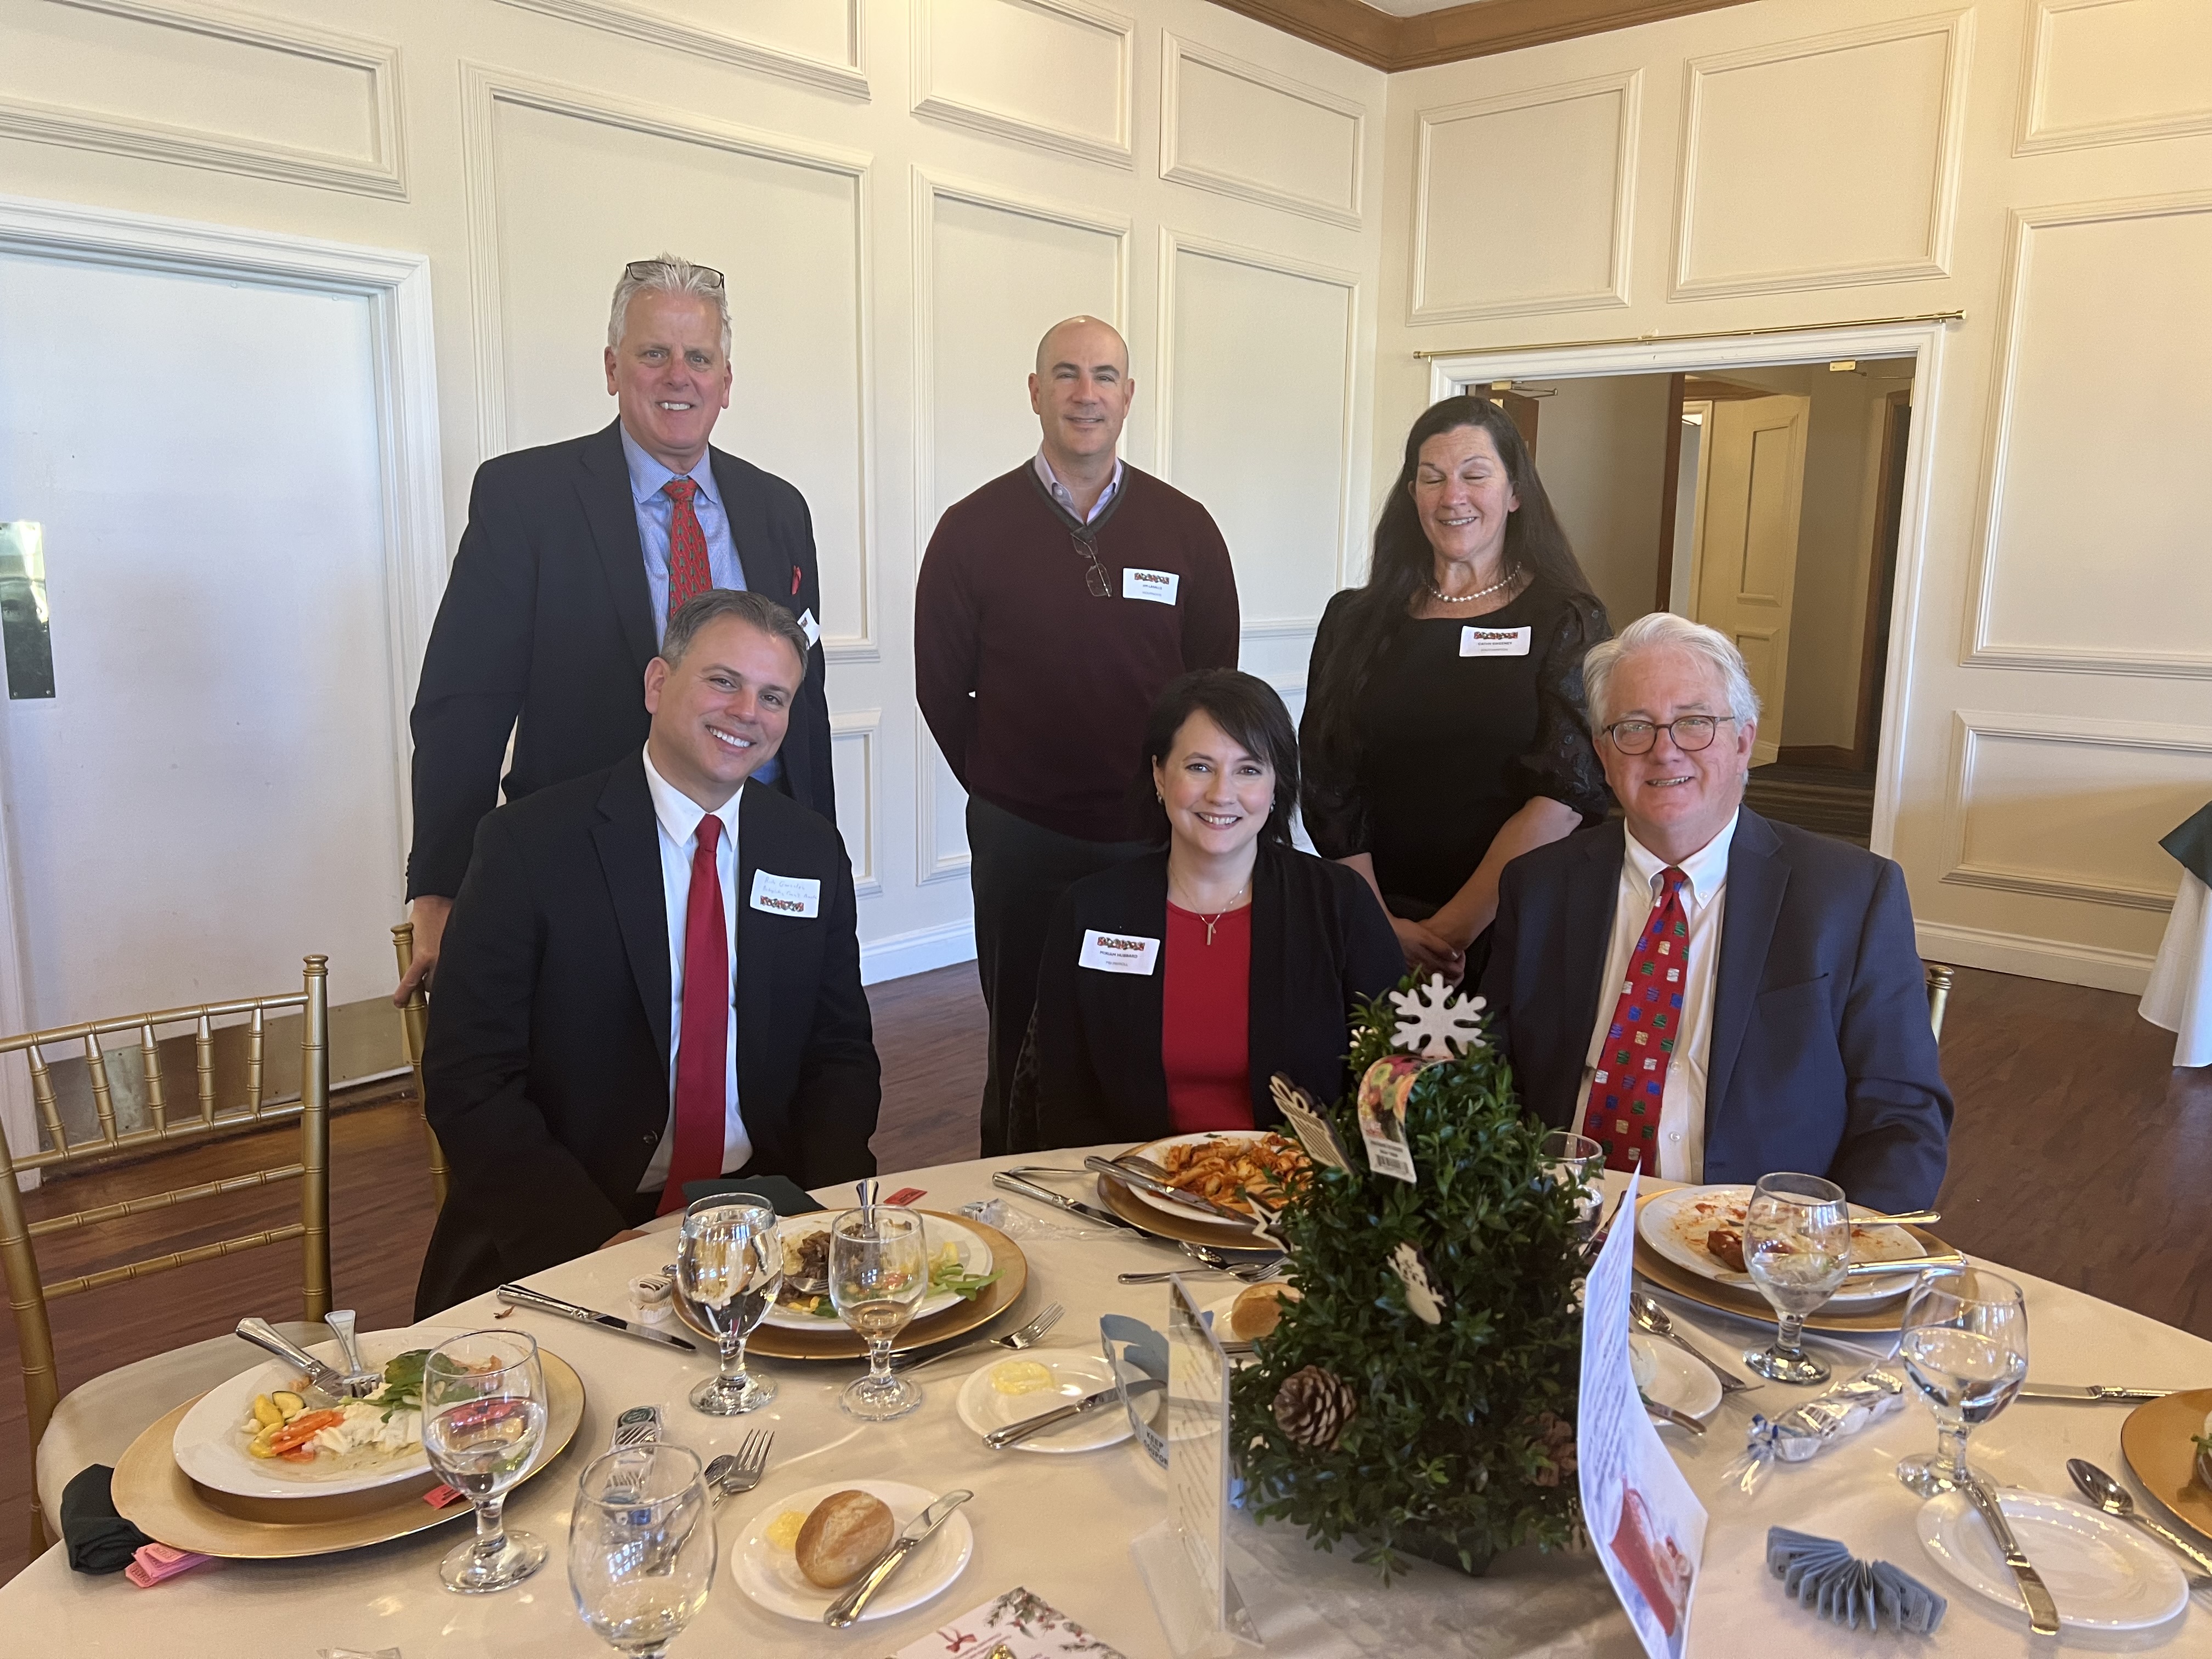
(403, 1383)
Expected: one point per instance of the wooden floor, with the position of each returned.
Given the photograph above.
(2078, 1155)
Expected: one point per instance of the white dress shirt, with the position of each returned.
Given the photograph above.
(679, 817)
(1060, 492)
(1704, 895)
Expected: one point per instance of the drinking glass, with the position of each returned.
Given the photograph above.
(1576, 1160)
(729, 1266)
(1797, 1244)
(483, 1415)
(641, 1546)
(879, 1275)
(1965, 1346)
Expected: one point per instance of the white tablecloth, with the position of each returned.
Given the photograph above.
(2178, 998)
(1061, 1525)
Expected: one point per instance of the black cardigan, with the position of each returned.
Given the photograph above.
(1091, 1072)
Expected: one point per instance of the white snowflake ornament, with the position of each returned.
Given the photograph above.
(1435, 1022)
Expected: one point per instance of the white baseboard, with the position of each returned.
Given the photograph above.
(2035, 958)
(917, 952)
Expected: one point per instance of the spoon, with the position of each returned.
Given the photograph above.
(2110, 1496)
(1651, 1317)
(717, 1472)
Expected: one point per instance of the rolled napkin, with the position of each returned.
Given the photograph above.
(99, 1540)
(1829, 1579)
(1799, 1433)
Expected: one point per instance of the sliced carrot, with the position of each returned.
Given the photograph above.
(299, 1455)
(304, 1428)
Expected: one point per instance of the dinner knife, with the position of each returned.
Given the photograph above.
(1173, 1195)
(324, 1378)
(2042, 1611)
(518, 1296)
(1904, 1264)
(2111, 1392)
(1014, 1183)
(1014, 1433)
(847, 1608)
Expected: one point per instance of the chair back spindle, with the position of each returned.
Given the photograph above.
(1939, 995)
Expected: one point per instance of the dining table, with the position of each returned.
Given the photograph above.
(1061, 1525)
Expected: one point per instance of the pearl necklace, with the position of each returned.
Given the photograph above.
(1511, 576)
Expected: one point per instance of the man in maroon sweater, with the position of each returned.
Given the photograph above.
(1053, 605)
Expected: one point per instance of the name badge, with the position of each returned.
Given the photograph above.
(1493, 642)
(1118, 953)
(813, 629)
(1159, 585)
(786, 896)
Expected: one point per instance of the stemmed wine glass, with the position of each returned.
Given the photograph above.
(1965, 1346)
(483, 1417)
(879, 1275)
(729, 1267)
(1797, 1245)
(641, 1547)
(1578, 1160)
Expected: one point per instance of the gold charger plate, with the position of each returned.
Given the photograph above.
(161, 1501)
(1184, 1227)
(835, 1340)
(2156, 1441)
(1881, 1316)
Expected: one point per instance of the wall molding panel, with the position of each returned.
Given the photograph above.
(2062, 960)
(379, 171)
(932, 862)
(1700, 272)
(1180, 168)
(937, 100)
(1608, 282)
(659, 29)
(2040, 129)
(862, 728)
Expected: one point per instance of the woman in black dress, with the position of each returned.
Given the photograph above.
(1444, 731)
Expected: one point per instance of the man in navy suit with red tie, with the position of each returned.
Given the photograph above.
(652, 975)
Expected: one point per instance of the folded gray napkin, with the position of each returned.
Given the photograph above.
(1826, 1577)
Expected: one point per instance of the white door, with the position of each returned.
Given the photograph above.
(1751, 488)
(212, 791)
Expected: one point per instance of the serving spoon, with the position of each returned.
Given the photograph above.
(2110, 1496)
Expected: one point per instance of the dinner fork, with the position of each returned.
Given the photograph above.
(1251, 1272)
(743, 1472)
(1013, 1341)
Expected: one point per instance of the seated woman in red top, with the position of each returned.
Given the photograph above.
(1175, 985)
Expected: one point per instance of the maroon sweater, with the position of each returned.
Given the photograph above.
(1062, 681)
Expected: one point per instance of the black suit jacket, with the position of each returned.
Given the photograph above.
(1821, 1061)
(547, 619)
(546, 1071)
(1092, 1070)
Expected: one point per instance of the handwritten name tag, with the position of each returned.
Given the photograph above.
(1493, 642)
(1118, 953)
(786, 896)
(1159, 585)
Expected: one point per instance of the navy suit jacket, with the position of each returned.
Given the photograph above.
(1822, 1061)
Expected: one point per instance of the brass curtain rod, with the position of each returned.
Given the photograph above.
(1430, 353)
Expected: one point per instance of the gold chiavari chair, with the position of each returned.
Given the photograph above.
(96, 1422)
(1939, 994)
(414, 1023)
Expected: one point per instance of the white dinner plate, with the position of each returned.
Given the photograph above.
(1074, 1376)
(1677, 1380)
(975, 1256)
(211, 1446)
(1676, 1223)
(771, 1576)
(1153, 1149)
(2102, 1575)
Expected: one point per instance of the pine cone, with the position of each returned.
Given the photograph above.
(1313, 1405)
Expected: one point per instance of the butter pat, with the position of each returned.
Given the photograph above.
(1020, 1377)
(783, 1531)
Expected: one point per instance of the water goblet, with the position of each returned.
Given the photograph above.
(483, 1417)
(1576, 1160)
(1797, 1245)
(729, 1266)
(879, 1275)
(1965, 1346)
(641, 1546)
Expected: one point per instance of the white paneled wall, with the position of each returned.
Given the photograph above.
(2041, 166)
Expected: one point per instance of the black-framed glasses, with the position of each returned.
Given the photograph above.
(1691, 732)
(1087, 545)
(639, 271)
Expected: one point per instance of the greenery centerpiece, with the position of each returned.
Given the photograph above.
(1360, 1418)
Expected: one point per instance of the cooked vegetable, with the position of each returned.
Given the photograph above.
(267, 1411)
(304, 1428)
(403, 1383)
(948, 1272)
(289, 1404)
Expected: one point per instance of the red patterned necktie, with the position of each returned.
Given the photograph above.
(702, 1048)
(1631, 1079)
(688, 574)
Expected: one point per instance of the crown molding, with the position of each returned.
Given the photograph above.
(1391, 44)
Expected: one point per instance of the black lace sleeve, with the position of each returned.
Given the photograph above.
(1563, 764)
(1329, 801)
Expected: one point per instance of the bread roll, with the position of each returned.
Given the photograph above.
(1259, 1309)
(842, 1538)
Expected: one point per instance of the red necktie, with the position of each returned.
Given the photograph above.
(702, 1048)
(688, 574)
(1631, 1079)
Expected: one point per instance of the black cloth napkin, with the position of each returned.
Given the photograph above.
(779, 1193)
(99, 1540)
(2191, 843)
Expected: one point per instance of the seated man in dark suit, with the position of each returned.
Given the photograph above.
(1705, 992)
(651, 976)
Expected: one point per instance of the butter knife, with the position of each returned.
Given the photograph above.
(2042, 1612)
(1014, 1433)
(1904, 1265)
(518, 1296)
(1014, 1183)
(2090, 1391)
(847, 1608)
(324, 1378)
(1117, 1170)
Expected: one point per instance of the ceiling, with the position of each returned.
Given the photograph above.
(1402, 34)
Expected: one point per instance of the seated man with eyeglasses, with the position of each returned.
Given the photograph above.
(1705, 992)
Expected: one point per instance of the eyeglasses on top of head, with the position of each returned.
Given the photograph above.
(639, 271)
(1086, 545)
(1691, 732)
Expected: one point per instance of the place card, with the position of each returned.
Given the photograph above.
(1314, 1131)
(1018, 1625)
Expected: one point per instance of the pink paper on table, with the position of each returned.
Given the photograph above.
(1017, 1625)
(155, 1564)
(438, 1496)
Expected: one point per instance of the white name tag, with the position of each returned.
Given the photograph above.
(1118, 953)
(786, 896)
(813, 629)
(1493, 642)
(1159, 585)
